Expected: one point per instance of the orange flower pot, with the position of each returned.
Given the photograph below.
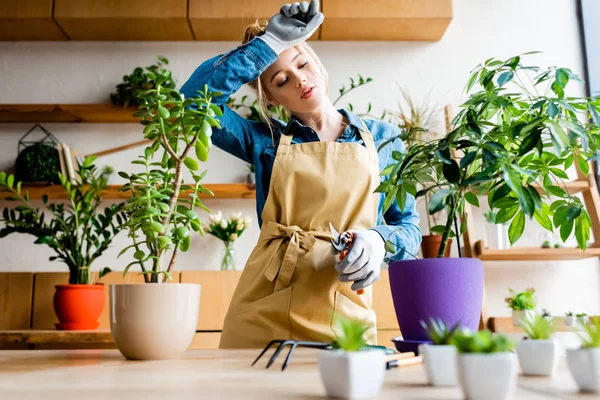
(78, 307)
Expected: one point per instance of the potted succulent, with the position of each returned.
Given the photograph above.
(583, 362)
(497, 146)
(78, 232)
(582, 319)
(351, 370)
(570, 319)
(439, 356)
(161, 221)
(538, 352)
(522, 305)
(228, 231)
(546, 314)
(487, 367)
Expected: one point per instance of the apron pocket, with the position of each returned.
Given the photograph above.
(347, 308)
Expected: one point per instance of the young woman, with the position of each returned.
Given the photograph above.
(322, 167)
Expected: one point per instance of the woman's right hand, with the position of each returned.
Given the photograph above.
(292, 25)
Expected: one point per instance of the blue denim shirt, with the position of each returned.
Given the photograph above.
(251, 141)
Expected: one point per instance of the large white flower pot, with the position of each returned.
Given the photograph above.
(519, 315)
(440, 364)
(570, 320)
(352, 375)
(488, 376)
(154, 321)
(584, 365)
(538, 357)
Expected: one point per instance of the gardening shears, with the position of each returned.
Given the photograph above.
(341, 244)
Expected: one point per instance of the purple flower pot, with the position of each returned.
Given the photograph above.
(447, 288)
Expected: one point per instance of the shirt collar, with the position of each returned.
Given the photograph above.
(352, 119)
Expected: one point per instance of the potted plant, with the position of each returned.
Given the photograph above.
(487, 367)
(499, 231)
(161, 221)
(228, 231)
(497, 146)
(570, 319)
(348, 371)
(251, 178)
(546, 314)
(522, 305)
(78, 232)
(439, 357)
(582, 319)
(583, 362)
(538, 352)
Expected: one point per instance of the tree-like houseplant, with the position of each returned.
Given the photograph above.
(439, 357)
(161, 222)
(487, 367)
(78, 231)
(507, 138)
(522, 305)
(583, 362)
(352, 370)
(538, 352)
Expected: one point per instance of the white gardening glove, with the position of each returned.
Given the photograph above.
(362, 264)
(292, 25)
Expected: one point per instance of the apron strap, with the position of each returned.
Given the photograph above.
(366, 136)
(298, 239)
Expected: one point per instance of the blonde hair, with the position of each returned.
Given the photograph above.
(258, 28)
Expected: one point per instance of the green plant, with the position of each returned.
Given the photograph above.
(438, 332)
(591, 339)
(140, 81)
(546, 244)
(250, 168)
(77, 232)
(352, 334)
(160, 218)
(546, 313)
(521, 300)
(538, 327)
(482, 342)
(417, 121)
(514, 132)
(581, 315)
(569, 313)
(38, 163)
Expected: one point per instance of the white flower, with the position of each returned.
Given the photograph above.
(233, 236)
(247, 220)
(218, 217)
(239, 226)
(224, 224)
(211, 218)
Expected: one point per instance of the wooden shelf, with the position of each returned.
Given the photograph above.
(505, 325)
(572, 186)
(221, 191)
(96, 113)
(533, 253)
(33, 336)
(29, 20)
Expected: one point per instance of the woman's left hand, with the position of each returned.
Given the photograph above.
(362, 264)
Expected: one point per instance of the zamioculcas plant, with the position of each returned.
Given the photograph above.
(161, 216)
(518, 129)
(78, 231)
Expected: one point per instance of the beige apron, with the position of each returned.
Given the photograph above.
(289, 288)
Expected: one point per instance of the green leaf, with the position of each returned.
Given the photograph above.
(516, 228)
(543, 219)
(505, 77)
(583, 164)
(559, 172)
(559, 135)
(501, 192)
(527, 203)
(451, 171)
(552, 110)
(438, 201)
(472, 199)
(506, 214)
(565, 229)
(530, 141)
(559, 215)
(389, 198)
(182, 232)
(43, 240)
(191, 163)
(468, 159)
(163, 112)
(401, 198)
(582, 230)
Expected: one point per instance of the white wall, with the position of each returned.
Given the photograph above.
(86, 72)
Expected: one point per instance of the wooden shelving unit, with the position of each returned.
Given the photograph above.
(220, 190)
(505, 325)
(87, 113)
(533, 253)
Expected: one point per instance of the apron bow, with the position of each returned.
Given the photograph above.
(298, 239)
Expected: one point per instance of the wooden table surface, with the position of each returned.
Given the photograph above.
(213, 374)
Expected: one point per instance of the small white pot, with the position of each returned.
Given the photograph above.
(352, 375)
(518, 315)
(154, 321)
(570, 320)
(583, 320)
(538, 357)
(440, 364)
(488, 376)
(584, 365)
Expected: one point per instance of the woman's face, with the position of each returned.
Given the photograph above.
(293, 81)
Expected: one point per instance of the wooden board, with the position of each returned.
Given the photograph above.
(217, 20)
(215, 296)
(220, 191)
(28, 20)
(123, 19)
(383, 303)
(381, 20)
(505, 325)
(87, 113)
(44, 289)
(16, 292)
(533, 253)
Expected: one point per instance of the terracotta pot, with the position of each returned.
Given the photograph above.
(431, 245)
(78, 307)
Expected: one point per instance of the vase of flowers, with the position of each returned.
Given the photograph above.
(228, 231)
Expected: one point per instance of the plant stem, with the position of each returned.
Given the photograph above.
(447, 229)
